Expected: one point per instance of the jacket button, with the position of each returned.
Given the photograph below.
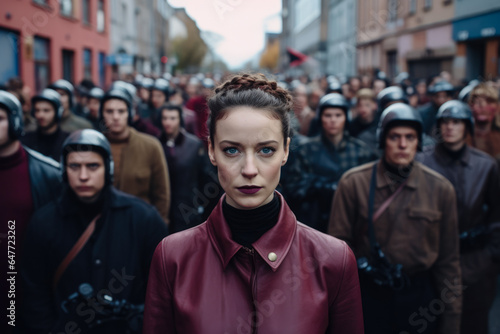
(272, 256)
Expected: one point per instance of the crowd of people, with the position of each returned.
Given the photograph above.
(405, 171)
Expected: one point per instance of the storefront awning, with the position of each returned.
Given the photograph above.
(482, 26)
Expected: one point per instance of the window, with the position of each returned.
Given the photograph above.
(392, 64)
(42, 64)
(306, 11)
(87, 64)
(100, 16)
(86, 11)
(9, 66)
(68, 58)
(393, 10)
(66, 7)
(413, 6)
(102, 69)
(428, 4)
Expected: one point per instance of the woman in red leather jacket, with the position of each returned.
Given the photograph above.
(251, 267)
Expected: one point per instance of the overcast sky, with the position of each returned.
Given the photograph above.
(241, 23)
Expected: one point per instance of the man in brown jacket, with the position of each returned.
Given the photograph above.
(139, 162)
(408, 258)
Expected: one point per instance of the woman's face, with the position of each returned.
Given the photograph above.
(248, 150)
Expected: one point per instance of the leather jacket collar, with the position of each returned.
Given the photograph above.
(277, 240)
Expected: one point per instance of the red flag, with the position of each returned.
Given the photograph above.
(296, 58)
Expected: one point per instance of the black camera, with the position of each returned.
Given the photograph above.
(93, 310)
(383, 273)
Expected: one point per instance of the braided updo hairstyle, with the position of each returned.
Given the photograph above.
(250, 90)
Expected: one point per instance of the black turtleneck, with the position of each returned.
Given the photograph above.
(247, 226)
(454, 155)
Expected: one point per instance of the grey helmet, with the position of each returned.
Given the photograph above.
(399, 114)
(51, 96)
(391, 94)
(128, 87)
(147, 83)
(456, 110)
(118, 94)
(334, 87)
(442, 86)
(163, 86)
(84, 141)
(333, 100)
(465, 92)
(12, 106)
(96, 93)
(208, 83)
(66, 86)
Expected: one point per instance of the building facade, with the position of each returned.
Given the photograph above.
(341, 46)
(305, 29)
(45, 40)
(406, 36)
(476, 30)
(139, 36)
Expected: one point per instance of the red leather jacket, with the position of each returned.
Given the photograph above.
(294, 280)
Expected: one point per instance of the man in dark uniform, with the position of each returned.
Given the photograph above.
(95, 96)
(320, 162)
(474, 175)
(441, 92)
(385, 98)
(48, 137)
(69, 120)
(93, 234)
(400, 219)
(187, 162)
(160, 93)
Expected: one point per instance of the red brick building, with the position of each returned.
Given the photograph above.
(45, 40)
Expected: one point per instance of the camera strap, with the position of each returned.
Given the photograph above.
(77, 247)
(374, 216)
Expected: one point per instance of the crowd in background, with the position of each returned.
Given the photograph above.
(157, 130)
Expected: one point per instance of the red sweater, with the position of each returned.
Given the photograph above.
(16, 205)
